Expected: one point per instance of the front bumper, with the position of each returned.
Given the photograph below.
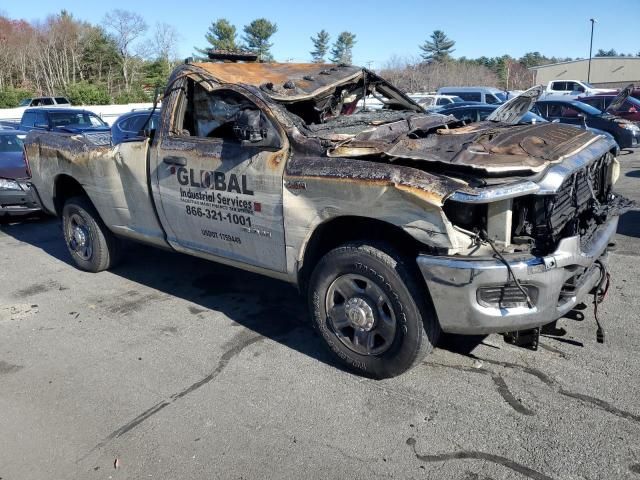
(454, 282)
(17, 202)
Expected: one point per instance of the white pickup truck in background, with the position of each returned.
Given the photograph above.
(574, 88)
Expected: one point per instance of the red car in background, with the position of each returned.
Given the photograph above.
(629, 109)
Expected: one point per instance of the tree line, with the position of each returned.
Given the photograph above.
(121, 59)
(117, 61)
(435, 67)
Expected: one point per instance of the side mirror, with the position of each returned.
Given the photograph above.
(253, 129)
(555, 120)
(147, 133)
(248, 126)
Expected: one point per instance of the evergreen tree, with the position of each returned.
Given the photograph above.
(342, 49)
(533, 59)
(320, 46)
(439, 48)
(606, 53)
(221, 35)
(256, 37)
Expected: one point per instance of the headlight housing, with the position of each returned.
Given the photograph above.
(472, 217)
(6, 184)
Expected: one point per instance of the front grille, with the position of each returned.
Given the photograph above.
(506, 296)
(544, 220)
(578, 193)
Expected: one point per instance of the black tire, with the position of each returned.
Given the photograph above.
(92, 245)
(402, 299)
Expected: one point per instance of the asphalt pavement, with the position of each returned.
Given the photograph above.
(172, 367)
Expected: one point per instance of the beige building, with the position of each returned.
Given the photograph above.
(611, 72)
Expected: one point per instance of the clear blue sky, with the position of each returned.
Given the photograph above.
(490, 28)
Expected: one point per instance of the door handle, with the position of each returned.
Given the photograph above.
(175, 161)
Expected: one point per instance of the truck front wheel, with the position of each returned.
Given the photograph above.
(91, 244)
(368, 306)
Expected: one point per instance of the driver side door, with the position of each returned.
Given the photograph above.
(218, 176)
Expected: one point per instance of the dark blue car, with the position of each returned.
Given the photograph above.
(70, 120)
(67, 120)
(130, 125)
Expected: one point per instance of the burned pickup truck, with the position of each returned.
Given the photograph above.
(397, 224)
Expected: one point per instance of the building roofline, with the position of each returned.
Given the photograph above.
(584, 60)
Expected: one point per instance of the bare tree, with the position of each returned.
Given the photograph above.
(518, 77)
(59, 50)
(165, 41)
(125, 27)
(415, 76)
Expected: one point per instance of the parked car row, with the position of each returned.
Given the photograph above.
(15, 195)
(615, 114)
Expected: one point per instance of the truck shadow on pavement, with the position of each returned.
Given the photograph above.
(272, 309)
(629, 224)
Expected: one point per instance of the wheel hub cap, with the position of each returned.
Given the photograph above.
(360, 313)
(79, 237)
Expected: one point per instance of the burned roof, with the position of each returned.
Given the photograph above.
(283, 81)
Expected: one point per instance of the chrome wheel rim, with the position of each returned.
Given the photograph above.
(360, 314)
(79, 237)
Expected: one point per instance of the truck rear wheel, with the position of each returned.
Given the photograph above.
(91, 244)
(368, 306)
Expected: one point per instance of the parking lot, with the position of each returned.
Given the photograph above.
(175, 368)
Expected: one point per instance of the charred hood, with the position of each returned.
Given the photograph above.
(487, 147)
